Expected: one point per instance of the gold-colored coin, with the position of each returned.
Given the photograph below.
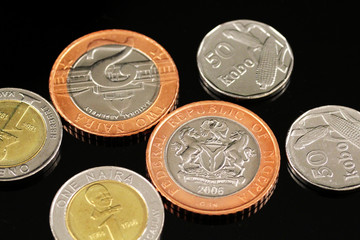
(22, 133)
(106, 210)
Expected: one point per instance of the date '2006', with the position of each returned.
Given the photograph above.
(210, 190)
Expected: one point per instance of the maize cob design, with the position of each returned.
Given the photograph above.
(347, 129)
(243, 38)
(311, 136)
(266, 69)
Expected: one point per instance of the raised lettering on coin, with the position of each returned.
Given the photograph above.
(213, 158)
(322, 146)
(118, 83)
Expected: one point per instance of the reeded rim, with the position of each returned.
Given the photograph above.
(169, 84)
(256, 191)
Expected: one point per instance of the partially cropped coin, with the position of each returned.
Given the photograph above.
(107, 203)
(30, 134)
(213, 158)
(114, 83)
(323, 148)
(244, 59)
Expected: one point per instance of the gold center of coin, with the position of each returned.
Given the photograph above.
(22, 132)
(106, 210)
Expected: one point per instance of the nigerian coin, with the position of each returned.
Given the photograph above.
(244, 59)
(213, 158)
(30, 134)
(114, 83)
(107, 203)
(323, 146)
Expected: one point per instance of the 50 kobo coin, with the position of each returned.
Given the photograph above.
(244, 59)
(323, 146)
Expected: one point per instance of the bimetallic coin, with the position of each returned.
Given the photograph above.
(213, 158)
(107, 203)
(114, 83)
(323, 146)
(30, 134)
(244, 59)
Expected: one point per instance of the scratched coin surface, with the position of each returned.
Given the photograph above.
(244, 59)
(213, 158)
(30, 134)
(107, 203)
(114, 83)
(323, 146)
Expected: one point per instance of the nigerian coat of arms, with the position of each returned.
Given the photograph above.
(212, 153)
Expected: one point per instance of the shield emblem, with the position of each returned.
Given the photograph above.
(212, 157)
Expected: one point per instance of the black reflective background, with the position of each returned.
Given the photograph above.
(324, 39)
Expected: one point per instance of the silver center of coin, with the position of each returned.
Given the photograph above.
(113, 82)
(212, 156)
(244, 59)
(323, 147)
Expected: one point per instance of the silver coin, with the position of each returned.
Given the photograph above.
(221, 154)
(323, 148)
(107, 203)
(113, 82)
(30, 134)
(244, 59)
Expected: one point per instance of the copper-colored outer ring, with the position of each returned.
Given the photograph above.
(169, 84)
(254, 194)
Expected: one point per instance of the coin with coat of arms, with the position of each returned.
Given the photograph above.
(213, 158)
(114, 83)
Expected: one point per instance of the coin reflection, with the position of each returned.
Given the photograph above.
(312, 188)
(269, 98)
(106, 141)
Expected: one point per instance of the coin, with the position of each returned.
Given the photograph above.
(30, 134)
(213, 158)
(114, 83)
(244, 59)
(107, 203)
(322, 146)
